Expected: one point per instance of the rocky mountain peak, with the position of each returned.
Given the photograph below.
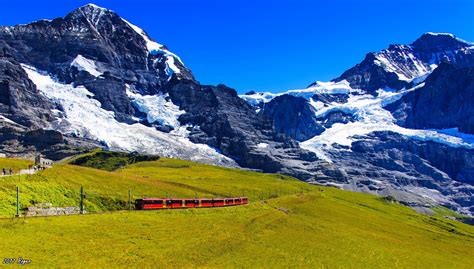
(438, 42)
(401, 66)
(91, 12)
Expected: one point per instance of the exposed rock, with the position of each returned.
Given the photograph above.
(329, 98)
(446, 101)
(20, 101)
(413, 172)
(293, 116)
(17, 141)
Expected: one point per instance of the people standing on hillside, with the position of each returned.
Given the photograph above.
(4, 171)
(11, 171)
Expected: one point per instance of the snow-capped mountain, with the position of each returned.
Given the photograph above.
(420, 94)
(94, 79)
(101, 78)
(401, 66)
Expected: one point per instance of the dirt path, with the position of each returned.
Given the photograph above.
(23, 172)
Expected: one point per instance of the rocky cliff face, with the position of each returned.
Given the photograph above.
(285, 109)
(446, 101)
(20, 101)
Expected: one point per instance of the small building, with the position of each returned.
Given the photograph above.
(38, 159)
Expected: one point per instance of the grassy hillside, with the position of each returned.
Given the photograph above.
(15, 164)
(110, 161)
(287, 224)
(108, 191)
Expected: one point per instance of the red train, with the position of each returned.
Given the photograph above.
(167, 203)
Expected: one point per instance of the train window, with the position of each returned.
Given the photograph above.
(177, 202)
(188, 202)
(206, 201)
(153, 202)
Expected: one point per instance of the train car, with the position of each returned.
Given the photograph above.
(168, 203)
(218, 202)
(150, 203)
(205, 202)
(238, 201)
(229, 201)
(176, 203)
(189, 203)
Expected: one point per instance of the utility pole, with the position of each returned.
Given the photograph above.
(17, 201)
(81, 203)
(129, 200)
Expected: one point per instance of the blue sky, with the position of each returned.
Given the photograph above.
(271, 45)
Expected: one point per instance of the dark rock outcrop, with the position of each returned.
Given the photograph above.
(20, 101)
(293, 116)
(17, 141)
(223, 120)
(446, 101)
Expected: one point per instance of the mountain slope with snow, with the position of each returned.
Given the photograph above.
(83, 116)
(353, 111)
(400, 66)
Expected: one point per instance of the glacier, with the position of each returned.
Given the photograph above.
(369, 112)
(81, 115)
(158, 108)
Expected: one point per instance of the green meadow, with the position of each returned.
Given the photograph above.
(15, 164)
(288, 223)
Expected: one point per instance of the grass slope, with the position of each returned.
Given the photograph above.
(15, 164)
(318, 227)
(109, 160)
(108, 191)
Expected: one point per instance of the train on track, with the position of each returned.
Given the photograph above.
(169, 203)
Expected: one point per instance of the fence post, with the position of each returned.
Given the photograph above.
(81, 202)
(17, 201)
(129, 200)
